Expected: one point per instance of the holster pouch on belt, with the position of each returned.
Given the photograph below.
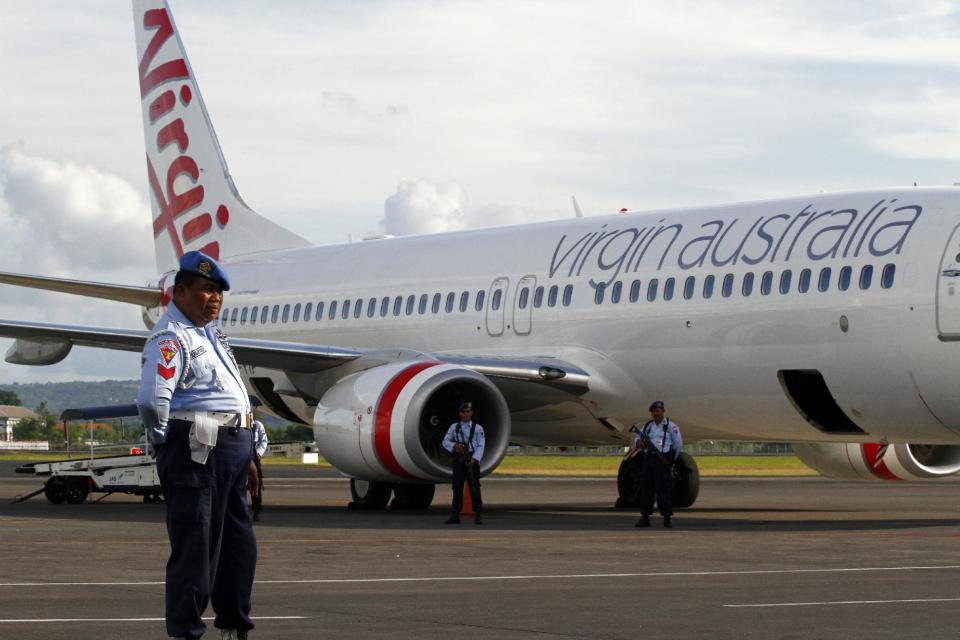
(203, 437)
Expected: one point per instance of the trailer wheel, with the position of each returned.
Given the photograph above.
(76, 490)
(54, 490)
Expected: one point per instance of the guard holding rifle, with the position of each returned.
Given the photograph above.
(660, 442)
(197, 414)
(465, 440)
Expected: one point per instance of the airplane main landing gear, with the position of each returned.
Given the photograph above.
(685, 489)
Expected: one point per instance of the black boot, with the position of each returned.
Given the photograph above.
(667, 524)
(454, 519)
(643, 522)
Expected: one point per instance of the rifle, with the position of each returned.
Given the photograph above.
(647, 445)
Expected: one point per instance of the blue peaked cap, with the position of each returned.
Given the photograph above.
(203, 265)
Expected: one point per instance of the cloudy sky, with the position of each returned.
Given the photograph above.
(342, 119)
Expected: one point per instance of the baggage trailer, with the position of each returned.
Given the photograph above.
(72, 481)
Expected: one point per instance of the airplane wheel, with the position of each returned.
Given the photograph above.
(412, 497)
(76, 490)
(54, 490)
(687, 486)
(628, 482)
(368, 495)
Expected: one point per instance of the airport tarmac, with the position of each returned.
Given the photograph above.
(754, 558)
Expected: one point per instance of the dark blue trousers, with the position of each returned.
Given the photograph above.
(213, 552)
(655, 479)
(471, 476)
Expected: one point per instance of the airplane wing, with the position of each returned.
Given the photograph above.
(287, 356)
(141, 296)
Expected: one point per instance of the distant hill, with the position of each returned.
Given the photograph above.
(67, 395)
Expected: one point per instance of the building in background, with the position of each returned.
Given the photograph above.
(9, 417)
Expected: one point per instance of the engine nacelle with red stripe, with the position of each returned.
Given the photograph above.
(851, 461)
(387, 423)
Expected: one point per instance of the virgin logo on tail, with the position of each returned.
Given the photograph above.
(171, 204)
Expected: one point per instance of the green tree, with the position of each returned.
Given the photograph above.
(9, 398)
(30, 429)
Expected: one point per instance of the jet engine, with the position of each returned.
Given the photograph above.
(852, 461)
(387, 423)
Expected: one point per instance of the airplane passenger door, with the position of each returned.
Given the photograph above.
(948, 290)
(523, 305)
(496, 301)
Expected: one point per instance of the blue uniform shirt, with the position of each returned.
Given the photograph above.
(662, 440)
(260, 438)
(459, 432)
(187, 368)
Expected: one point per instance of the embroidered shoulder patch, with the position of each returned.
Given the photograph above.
(168, 349)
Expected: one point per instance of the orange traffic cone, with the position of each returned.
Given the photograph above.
(467, 509)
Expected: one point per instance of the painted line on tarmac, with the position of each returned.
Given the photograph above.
(558, 576)
(25, 620)
(837, 602)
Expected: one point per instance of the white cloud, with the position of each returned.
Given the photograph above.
(421, 206)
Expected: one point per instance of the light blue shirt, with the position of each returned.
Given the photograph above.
(459, 432)
(662, 440)
(187, 368)
(260, 438)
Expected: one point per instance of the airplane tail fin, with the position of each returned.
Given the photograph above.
(195, 202)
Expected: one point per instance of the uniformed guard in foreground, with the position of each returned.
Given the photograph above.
(465, 440)
(197, 415)
(660, 441)
(256, 474)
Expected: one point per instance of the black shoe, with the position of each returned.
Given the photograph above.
(256, 517)
(453, 520)
(667, 524)
(643, 522)
(478, 519)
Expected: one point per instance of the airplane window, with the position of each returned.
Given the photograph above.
(384, 306)
(823, 283)
(495, 304)
(371, 307)
(552, 296)
(668, 286)
(286, 312)
(652, 289)
(451, 298)
(598, 296)
(866, 276)
(411, 300)
(296, 312)
(688, 286)
(804, 285)
(358, 307)
(635, 291)
(263, 314)
(615, 292)
(233, 315)
(243, 316)
(275, 314)
(538, 297)
(524, 298)
(224, 316)
(481, 296)
(785, 279)
(319, 315)
(843, 282)
(747, 286)
(422, 305)
(708, 286)
(397, 305)
(253, 315)
(307, 311)
(333, 310)
(567, 295)
(345, 309)
(464, 301)
(886, 278)
(726, 290)
(766, 283)
(435, 307)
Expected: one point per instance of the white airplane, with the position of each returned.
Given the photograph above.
(830, 321)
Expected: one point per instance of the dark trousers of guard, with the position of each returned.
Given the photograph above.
(655, 480)
(460, 475)
(213, 552)
(258, 499)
